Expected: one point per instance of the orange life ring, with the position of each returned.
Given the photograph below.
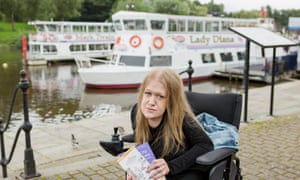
(135, 41)
(158, 42)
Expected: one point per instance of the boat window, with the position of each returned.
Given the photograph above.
(135, 25)
(199, 26)
(172, 25)
(98, 47)
(157, 24)
(160, 61)
(226, 57)
(208, 58)
(117, 25)
(77, 47)
(93, 29)
(191, 26)
(49, 49)
(133, 60)
(52, 28)
(181, 25)
(67, 28)
(79, 29)
(107, 28)
(35, 49)
(225, 25)
(241, 56)
(211, 26)
(176, 25)
(40, 28)
(195, 26)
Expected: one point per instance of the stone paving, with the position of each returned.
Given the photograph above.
(269, 145)
(269, 150)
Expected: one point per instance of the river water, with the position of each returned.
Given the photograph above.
(57, 94)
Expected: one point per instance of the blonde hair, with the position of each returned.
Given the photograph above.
(177, 107)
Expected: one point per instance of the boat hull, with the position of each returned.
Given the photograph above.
(120, 77)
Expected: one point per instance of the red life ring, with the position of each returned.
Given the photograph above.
(158, 42)
(135, 41)
(118, 40)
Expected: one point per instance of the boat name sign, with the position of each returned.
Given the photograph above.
(211, 39)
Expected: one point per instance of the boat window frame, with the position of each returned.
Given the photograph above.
(137, 61)
(77, 48)
(226, 56)
(117, 25)
(165, 61)
(205, 56)
(49, 49)
(157, 25)
(212, 26)
(135, 24)
(241, 55)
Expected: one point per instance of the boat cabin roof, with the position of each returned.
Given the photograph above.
(157, 16)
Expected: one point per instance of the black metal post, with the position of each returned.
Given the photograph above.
(3, 157)
(246, 78)
(273, 81)
(29, 163)
(190, 72)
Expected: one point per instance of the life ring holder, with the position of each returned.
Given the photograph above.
(135, 41)
(158, 42)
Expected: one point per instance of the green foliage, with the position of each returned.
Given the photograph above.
(9, 38)
(95, 10)
(246, 14)
(172, 7)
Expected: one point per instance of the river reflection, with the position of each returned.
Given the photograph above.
(57, 92)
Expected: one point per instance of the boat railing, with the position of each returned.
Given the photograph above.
(86, 62)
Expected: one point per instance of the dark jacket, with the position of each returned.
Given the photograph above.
(196, 143)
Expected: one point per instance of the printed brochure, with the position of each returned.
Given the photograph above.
(136, 160)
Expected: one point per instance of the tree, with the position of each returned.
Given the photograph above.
(8, 8)
(215, 9)
(246, 14)
(67, 9)
(171, 7)
(95, 10)
(196, 9)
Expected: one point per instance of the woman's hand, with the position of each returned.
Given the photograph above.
(158, 168)
(130, 177)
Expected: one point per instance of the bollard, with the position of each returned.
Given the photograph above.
(190, 71)
(29, 163)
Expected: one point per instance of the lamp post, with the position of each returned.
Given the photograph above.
(130, 6)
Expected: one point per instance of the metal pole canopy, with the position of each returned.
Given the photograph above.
(264, 39)
(246, 78)
(273, 82)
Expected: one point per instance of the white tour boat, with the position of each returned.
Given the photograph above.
(148, 40)
(62, 40)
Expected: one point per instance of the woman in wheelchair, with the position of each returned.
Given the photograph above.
(165, 120)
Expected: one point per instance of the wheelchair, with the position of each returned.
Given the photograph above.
(220, 163)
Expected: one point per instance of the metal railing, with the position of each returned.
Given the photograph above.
(189, 71)
(29, 163)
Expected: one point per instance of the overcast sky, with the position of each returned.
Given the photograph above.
(237, 5)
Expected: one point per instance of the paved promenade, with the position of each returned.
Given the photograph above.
(269, 145)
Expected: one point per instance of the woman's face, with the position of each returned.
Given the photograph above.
(154, 102)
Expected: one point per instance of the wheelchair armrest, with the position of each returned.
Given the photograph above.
(214, 156)
(128, 138)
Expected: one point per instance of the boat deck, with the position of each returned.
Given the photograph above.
(257, 72)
